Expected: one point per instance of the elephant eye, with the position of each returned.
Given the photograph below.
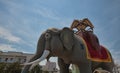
(47, 35)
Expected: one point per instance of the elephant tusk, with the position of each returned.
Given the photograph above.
(45, 54)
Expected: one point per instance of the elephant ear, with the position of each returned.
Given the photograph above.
(67, 38)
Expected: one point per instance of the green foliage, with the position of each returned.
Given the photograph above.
(16, 68)
(10, 68)
(36, 69)
(2, 67)
(46, 72)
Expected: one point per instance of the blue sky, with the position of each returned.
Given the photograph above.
(22, 21)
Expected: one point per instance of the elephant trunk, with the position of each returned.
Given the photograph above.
(45, 54)
(39, 52)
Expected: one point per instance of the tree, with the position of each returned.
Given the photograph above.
(2, 67)
(14, 68)
(10, 67)
(36, 69)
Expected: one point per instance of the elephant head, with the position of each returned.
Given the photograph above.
(51, 43)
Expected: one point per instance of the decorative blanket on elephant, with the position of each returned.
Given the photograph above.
(94, 53)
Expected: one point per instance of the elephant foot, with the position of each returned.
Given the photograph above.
(100, 70)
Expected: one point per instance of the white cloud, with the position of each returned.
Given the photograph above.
(45, 12)
(7, 35)
(16, 8)
(115, 56)
(116, 59)
(4, 47)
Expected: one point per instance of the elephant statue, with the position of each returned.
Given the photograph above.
(69, 49)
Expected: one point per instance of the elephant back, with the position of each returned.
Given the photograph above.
(95, 52)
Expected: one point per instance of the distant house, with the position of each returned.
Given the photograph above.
(11, 57)
(50, 67)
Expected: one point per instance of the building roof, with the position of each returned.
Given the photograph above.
(13, 53)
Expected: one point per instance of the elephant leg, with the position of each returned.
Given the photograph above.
(108, 67)
(26, 68)
(64, 68)
(85, 67)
